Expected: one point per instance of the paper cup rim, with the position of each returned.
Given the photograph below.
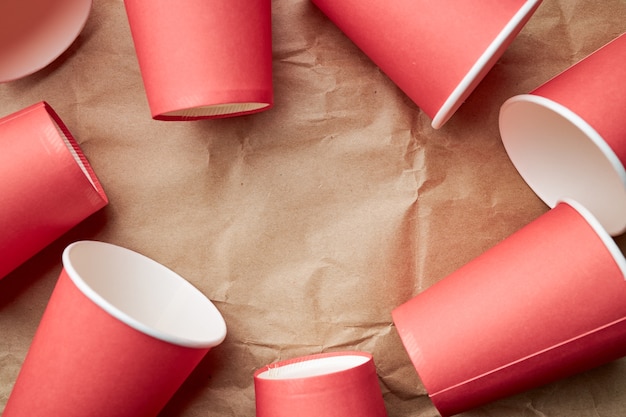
(216, 337)
(303, 368)
(460, 92)
(45, 60)
(617, 223)
(600, 231)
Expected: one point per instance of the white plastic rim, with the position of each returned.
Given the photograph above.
(608, 241)
(307, 368)
(33, 33)
(144, 294)
(560, 156)
(483, 65)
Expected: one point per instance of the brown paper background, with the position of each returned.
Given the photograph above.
(308, 223)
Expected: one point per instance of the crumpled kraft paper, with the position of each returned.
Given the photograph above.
(306, 224)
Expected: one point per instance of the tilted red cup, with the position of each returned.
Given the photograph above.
(338, 384)
(34, 33)
(119, 335)
(547, 302)
(202, 59)
(46, 183)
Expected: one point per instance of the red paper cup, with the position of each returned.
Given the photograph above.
(119, 336)
(46, 183)
(339, 384)
(547, 302)
(203, 59)
(567, 138)
(34, 33)
(435, 51)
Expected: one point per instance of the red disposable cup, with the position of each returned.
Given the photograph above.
(437, 52)
(34, 33)
(567, 138)
(202, 59)
(46, 183)
(119, 336)
(545, 303)
(338, 384)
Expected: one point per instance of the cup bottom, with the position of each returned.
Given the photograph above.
(213, 111)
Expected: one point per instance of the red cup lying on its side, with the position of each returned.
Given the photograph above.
(33, 33)
(46, 184)
(437, 52)
(202, 59)
(119, 336)
(339, 384)
(545, 303)
(567, 138)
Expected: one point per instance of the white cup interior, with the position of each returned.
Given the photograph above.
(313, 367)
(560, 156)
(144, 294)
(33, 33)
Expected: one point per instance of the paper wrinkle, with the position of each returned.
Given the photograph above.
(306, 224)
(534, 410)
(10, 364)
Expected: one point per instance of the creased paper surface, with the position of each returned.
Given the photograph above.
(306, 224)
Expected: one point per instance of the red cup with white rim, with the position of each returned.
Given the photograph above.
(337, 384)
(567, 138)
(547, 302)
(119, 335)
(34, 33)
(437, 52)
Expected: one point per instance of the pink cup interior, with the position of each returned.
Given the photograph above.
(33, 33)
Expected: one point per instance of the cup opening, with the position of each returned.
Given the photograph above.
(34, 36)
(144, 294)
(484, 64)
(311, 367)
(561, 156)
(216, 110)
